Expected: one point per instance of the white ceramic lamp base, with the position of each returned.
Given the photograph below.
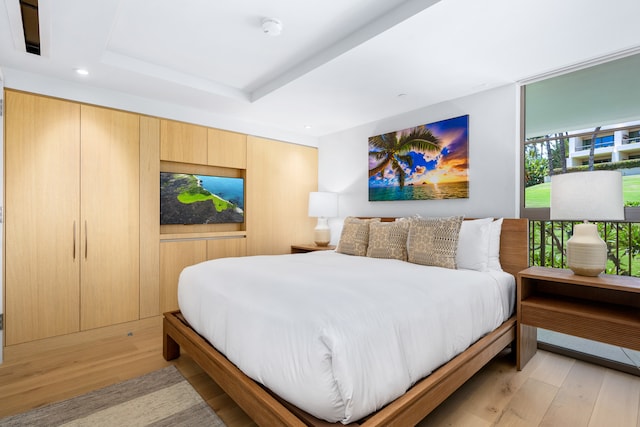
(322, 233)
(586, 251)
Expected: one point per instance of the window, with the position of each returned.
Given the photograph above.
(567, 115)
(601, 142)
(561, 152)
(564, 117)
(633, 137)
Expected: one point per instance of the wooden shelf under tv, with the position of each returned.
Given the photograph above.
(203, 235)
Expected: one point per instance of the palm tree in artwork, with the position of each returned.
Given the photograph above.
(388, 149)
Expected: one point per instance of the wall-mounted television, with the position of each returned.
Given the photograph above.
(200, 199)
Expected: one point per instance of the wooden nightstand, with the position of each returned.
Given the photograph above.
(311, 247)
(605, 308)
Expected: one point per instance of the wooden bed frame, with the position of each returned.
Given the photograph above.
(266, 409)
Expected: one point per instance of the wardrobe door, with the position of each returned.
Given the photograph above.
(175, 256)
(110, 217)
(280, 177)
(42, 183)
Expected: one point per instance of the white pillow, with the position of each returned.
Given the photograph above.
(494, 245)
(474, 244)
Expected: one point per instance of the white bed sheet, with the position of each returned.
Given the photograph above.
(340, 336)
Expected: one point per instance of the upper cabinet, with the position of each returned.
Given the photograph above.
(182, 142)
(187, 143)
(227, 149)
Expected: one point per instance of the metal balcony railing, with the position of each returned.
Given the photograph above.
(547, 241)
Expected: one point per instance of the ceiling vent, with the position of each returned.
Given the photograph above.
(31, 25)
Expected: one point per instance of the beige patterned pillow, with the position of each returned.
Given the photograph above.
(388, 240)
(434, 241)
(355, 236)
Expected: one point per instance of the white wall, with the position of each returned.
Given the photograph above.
(493, 160)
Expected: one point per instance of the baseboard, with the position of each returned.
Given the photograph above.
(128, 329)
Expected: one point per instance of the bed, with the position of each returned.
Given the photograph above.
(405, 400)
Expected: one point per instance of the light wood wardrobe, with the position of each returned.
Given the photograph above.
(84, 247)
(71, 217)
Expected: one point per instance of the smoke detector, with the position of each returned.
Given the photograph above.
(271, 26)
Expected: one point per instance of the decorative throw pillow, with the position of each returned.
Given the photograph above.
(388, 240)
(473, 244)
(434, 241)
(494, 245)
(354, 239)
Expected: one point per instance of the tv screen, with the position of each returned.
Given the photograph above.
(200, 199)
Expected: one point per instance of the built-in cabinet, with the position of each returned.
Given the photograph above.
(178, 254)
(209, 152)
(183, 142)
(228, 149)
(84, 244)
(280, 177)
(188, 143)
(71, 217)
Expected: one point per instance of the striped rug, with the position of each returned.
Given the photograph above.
(160, 398)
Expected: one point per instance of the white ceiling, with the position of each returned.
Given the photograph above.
(337, 64)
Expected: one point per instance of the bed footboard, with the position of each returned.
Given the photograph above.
(267, 410)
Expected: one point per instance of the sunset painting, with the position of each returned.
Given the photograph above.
(427, 162)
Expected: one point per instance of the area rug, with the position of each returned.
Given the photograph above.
(160, 398)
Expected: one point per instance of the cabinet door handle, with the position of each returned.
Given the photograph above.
(74, 240)
(85, 240)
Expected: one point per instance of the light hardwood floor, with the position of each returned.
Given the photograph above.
(552, 390)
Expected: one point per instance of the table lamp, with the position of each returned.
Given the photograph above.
(323, 205)
(583, 196)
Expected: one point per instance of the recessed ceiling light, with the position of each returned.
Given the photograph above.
(308, 126)
(82, 71)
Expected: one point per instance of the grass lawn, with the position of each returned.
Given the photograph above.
(538, 196)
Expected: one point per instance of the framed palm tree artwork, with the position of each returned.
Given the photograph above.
(426, 162)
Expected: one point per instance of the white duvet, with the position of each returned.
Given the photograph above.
(340, 336)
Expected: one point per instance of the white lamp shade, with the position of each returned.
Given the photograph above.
(323, 204)
(593, 195)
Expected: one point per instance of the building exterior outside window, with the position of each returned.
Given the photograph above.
(609, 147)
